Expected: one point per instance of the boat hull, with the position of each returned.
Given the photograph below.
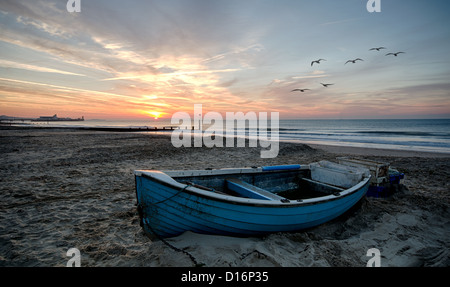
(168, 208)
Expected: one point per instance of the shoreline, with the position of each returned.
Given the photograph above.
(370, 151)
(338, 149)
(104, 129)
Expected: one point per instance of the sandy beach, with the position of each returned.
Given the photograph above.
(61, 189)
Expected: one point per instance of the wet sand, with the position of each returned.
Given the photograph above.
(69, 188)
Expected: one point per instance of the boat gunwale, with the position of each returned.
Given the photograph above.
(170, 182)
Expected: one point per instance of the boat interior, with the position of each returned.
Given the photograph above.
(284, 183)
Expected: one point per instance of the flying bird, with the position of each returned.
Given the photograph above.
(378, 49)
(354, 61)
(326, 85)
(318, 61)
(299, 90)
(395, 54)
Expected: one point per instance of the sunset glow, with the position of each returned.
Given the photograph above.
(156, 115)
(155, 58)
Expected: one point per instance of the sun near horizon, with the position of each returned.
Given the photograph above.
(155, 115)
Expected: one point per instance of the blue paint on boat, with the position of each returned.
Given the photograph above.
(169, 207)
(247, 190)
(281, 167)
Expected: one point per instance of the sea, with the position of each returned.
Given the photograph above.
(431, 135)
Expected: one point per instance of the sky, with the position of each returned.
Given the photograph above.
(140, 59)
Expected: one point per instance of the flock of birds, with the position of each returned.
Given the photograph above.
(349, 61)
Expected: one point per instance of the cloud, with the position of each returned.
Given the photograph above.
(332, 23)
(240, 54)
(91, 93)
(16, 65)
(166, 50)
(228, 83)
(309, 77)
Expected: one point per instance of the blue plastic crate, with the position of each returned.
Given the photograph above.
(378, 191)
(395, 177)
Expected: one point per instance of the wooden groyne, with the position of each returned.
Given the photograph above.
(102, 129)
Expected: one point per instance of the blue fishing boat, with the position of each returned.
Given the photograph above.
(247, 201)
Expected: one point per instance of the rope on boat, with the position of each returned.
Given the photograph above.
(180, 191)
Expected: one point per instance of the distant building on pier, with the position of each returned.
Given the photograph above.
(55, 118)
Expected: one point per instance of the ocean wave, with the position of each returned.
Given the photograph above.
(403, 133)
